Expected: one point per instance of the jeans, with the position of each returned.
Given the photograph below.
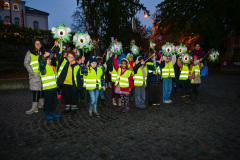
(166, 88)
(50, 101)
(185, 87)
(139, 96)
(93, 96)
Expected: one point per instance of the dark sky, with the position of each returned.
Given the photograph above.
(62, 10)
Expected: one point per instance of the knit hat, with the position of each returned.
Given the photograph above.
(92, 58)
(125, 59)
(195, 56)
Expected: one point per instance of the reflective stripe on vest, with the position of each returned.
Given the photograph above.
(123, 79)
(93, 78)
(138, 78)
(150, 64)
(34, 62)
(61, 67)
(75, 71)
(158, 70)
(184, 73)
(113, 75)
(196, 68)
(49, 79)
(168, 70)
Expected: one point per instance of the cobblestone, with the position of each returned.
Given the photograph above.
(205, 129)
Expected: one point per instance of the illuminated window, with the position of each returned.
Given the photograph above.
(6, 6)
(17, 21)
(15, 7)
(35, 24)
(7, 19)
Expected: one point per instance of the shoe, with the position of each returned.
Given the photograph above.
(48, 117)
(120, 109)
(56, 115)
(40, 103)
(169, 101)
(119, 102)
(95, 110)
(74, 108)
(90, 113)
(166, 101)
(114, 101)
(106, 85)
(110, 85)
(34, 108)
(125, 110)
(156, 104)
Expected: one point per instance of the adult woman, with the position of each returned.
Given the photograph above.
(32, 65)
(197, 50)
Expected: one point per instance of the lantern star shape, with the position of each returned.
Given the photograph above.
(168, 49)
(61, 32)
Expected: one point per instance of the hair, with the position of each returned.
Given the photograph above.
(71, 52)
(80, 57)
(33, 49)
(197, 44)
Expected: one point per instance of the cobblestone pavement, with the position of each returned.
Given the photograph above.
(206, 129)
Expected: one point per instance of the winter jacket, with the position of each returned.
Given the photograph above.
(35, 82)
(153, 77)
(130, 79)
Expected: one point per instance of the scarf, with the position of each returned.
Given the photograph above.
(131, 63)
(197, 52)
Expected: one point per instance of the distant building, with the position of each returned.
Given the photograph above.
(16, 12)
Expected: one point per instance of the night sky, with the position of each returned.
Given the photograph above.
(62, 10)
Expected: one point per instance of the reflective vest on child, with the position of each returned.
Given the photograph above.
(168, 70)
(49, 79)
(123, 79)
(92, 79)
(113, 75)
(138, 78)
(184, 73)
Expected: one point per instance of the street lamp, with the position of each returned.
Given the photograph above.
(146, 14)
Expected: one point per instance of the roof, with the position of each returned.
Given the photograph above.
(32, 10)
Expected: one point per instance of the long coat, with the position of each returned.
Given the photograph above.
(35, 82)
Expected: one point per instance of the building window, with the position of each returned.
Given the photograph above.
(6, 6)
(15, 7)
(7, 19)
(17, 21)
(35, 24)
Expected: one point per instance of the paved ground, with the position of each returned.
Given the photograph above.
(207, 129)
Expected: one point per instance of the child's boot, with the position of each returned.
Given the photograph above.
(40, 103)
(119, 102)
(125, 110)
(34, 108)
(90, 110)
(95, 110)
(48, 117)
(114, 101)
(73, 108)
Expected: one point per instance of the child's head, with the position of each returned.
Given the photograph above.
(195, 57)
(65, 54)
(124, 63)
(93, 61)
(168, 59)
(49, 61)
(70, 56)
(130, 57)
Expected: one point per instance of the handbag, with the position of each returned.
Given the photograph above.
(204, 71)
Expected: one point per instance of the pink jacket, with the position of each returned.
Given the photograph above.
(130, 79)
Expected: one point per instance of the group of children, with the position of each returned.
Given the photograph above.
(128, 78)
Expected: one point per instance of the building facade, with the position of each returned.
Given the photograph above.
(16, 12)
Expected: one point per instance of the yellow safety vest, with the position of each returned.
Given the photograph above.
(93, 78)
(168, 70)
(34, 62)
(150, 64)
(184, 73)
(61, 67)
(49, 79)
(138, 78)
(123, 79)
(113, 75)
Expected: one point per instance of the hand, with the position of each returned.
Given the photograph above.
(79, 61)
(56, 43)
(130, 89)
(142, 62)
(46, 54)
(200, 59)
(115, 56)
(111, 54)
(154, 72)
(83, 59)
(104, 88)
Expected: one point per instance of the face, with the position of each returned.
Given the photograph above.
(65, 55)
(133, 42)
(194, 59)
(131, 59)
(94, 64)
(197, 47)
(124, 64)
(168, 60)
(70, 58)
(49, 61)
(38, 45)
(94, 42)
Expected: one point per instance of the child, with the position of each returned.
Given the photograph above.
(78, 77)
(48, 77)
(67, 81)
(167, 75)
(152, 79)
(94, 79)
(195, 70)
(185, 81)
(140, 82)
(130, 67)
(124, 83)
